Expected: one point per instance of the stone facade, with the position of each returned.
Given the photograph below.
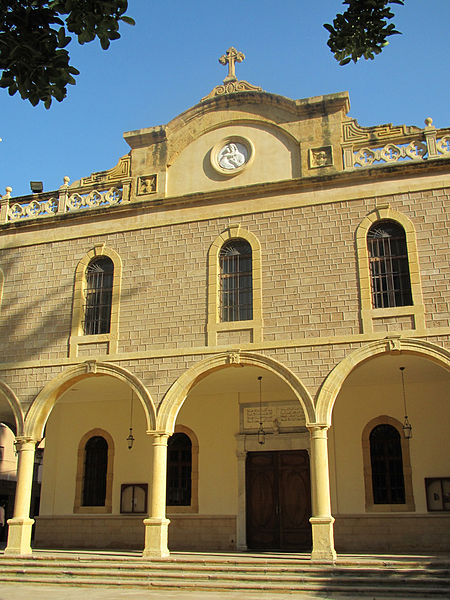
(306, 185)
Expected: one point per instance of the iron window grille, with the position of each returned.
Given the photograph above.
(98, 299)
(236, 289)
(388, 483)
(95, 471)
(179, 470)
(389, 267)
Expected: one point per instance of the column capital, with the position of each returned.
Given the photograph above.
(159, 437)
(23, 442)
(318, 430)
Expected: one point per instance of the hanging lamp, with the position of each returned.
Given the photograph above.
(130, 438)
(407, 427)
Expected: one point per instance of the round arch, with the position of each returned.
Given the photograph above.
(44, 402)
(179, 390)
(333, 383)
(14, 404)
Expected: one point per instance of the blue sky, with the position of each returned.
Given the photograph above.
(169, 61)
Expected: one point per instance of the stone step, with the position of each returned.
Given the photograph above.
(326, 587)
(171, 570)
(294, 567)
(150, 571)
(180, 563)
(419, 577)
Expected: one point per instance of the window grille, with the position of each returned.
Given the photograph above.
(179, 470)
(95, 471)
(236, 290)
(387, 465)
(98, 300)
(389, 267)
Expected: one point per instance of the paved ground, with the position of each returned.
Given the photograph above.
(18, 591)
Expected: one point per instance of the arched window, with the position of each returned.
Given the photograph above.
(95, 471)
(389, 267)
(179, 470)
(236, 288)
(388, 483)
(98, 296)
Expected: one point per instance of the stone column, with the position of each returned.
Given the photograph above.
(19, 536)
(157, 525)
(321, 520)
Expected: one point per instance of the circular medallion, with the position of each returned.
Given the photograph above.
(231, 155)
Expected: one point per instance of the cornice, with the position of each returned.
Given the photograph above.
(398, 172)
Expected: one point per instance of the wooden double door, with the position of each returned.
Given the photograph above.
(278, 500)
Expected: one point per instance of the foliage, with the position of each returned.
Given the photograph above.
(361, 30)
(34, 35)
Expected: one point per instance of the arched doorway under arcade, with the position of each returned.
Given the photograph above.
(219, 401)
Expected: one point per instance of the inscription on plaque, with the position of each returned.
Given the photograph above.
(276, 416)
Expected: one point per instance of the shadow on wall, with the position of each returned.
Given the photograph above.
(35, 311)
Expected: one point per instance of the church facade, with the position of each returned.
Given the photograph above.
(236, 338)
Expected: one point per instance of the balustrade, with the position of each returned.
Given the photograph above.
(62, 201)
(425, 145)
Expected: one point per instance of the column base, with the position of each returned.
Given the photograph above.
(156, 535)
(19, 537)
(323, 539)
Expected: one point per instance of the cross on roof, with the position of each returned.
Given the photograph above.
(231, 57)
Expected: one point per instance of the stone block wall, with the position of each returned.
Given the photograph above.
(310, 279)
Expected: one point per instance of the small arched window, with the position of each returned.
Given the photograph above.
(388, 483)
(236, 287)
(98, 298)
(95, 471)
(179, 470)
(389, 267)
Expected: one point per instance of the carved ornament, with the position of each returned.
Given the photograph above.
(320, 157)
(121, 170)
(232, 87)
(393, 344)
(353, 132)
(234, 358)
(146, 184)
(91, 366)
(231, 155)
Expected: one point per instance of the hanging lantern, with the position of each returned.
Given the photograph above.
(407, 427)
(130, 438)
